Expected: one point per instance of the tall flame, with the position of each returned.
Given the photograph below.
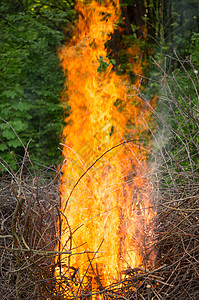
(107, 218)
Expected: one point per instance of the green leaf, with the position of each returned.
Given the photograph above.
(8, 134)
(22, 106)
(3, 147)
(14, 143)
(10, 94)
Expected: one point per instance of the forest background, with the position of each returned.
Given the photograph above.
(32, 79)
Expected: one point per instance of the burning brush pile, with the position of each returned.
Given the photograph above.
(123, 222)
(31, 236)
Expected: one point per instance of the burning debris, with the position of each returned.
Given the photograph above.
(110, 212)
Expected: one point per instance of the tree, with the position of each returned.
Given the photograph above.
(31, 78)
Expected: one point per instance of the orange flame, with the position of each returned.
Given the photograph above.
(108, 216)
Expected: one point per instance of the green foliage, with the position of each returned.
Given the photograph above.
(105, 63)
(31, 78)
(184, 23)
(194, 51)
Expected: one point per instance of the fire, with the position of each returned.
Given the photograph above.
(107, 217)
